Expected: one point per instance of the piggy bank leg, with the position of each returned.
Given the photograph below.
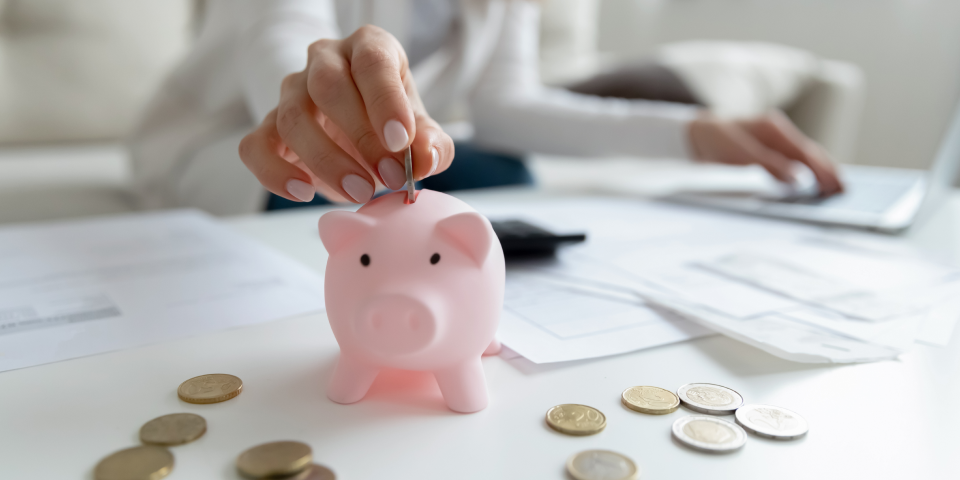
(464, 387)
(493, 348)
(351, 380)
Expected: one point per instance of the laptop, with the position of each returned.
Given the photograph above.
(877, 198)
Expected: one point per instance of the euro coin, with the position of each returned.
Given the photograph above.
(173, 429)
(212, 388)
(771, 422)
(709, 398)
(148, 462)
(650, 400)
(602, 465)
(408, 170)
(312, 472)
(709, 434)
(275, 459)
(575, 419)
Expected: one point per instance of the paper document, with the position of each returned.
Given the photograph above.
(76, 288)
(547, 320)
(798, 291)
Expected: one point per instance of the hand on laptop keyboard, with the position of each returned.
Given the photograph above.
(771, 141)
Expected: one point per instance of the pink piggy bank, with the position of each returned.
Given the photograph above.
(413, 286)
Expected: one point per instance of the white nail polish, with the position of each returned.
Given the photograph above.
(396, 136)
(392, 173)
(435, 158)
(357, 188)
(303, 191)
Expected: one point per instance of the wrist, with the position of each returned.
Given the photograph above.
(696, 132)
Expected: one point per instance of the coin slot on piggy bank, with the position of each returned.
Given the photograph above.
(414, 286)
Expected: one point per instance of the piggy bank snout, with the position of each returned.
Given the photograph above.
(395, 325)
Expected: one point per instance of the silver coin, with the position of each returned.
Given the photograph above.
(602, 465)
(772, 422)
(709, 434)
(408, 168)
(709, 398)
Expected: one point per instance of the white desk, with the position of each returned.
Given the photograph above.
(897, 419)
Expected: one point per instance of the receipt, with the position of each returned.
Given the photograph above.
(787, 278)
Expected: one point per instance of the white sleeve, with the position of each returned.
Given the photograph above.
(512, 110)
(274, 36)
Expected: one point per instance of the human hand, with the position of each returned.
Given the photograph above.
(771, 141)
(341, 121)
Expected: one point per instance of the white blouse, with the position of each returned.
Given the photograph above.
(473, 60)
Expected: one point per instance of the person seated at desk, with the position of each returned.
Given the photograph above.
(338, 111)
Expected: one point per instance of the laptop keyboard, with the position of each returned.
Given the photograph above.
(872, 194)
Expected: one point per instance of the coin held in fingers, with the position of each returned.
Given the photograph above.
(408, 169)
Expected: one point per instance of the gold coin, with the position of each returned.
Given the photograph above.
(173, 429)
(576, 419)
(147, 462)
(313, 472)
(602, 465)
(212, 388)
(651, 400)
(275, 459)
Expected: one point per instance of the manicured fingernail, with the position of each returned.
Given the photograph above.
(358, 188)
(303, 191)
(395, 135)
(435, 159)
(392, 173)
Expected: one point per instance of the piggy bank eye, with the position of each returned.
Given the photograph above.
(434, 258)
(364, 259)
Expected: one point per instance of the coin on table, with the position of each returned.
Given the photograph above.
(710, 398)
(275, 459)
(173, 429)
(212, 388)
(575, 419)
(312, 472)
(408, 170)
(148, 462)
(771, 422)
(602, 465)
(709, 434)
(651, 400)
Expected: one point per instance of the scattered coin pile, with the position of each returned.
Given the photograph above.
(601, 464)
(282, 461)
(701, 432)
(152, 461)
(289, 460)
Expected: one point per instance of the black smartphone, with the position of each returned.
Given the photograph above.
(520, 239)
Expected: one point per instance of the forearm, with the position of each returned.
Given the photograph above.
(512, 110)
(563, 123)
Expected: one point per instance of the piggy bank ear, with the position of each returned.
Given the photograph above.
(470, 232)
(339, 228)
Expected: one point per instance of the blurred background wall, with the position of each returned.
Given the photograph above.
(81, 70)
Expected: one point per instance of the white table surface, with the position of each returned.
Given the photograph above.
(896, 419)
